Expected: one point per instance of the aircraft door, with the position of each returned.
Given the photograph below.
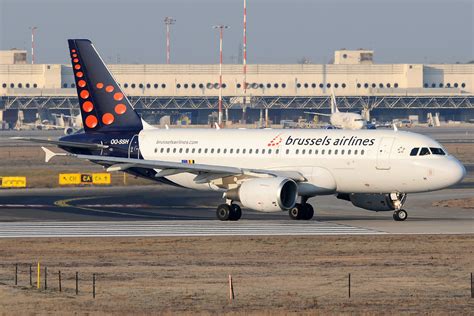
(383, 153)
(133, 148)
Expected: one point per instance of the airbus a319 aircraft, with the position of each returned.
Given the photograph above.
(265, 170)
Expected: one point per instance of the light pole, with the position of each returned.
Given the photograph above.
(221, 35)
(33, 29)
(168, 21)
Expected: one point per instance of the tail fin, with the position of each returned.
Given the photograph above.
(104, 106)
(334, 108)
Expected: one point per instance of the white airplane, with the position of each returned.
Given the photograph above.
(265, 170)
(343, 120)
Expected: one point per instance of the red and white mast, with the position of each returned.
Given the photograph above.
(245, 49)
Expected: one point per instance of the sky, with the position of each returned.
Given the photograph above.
(132, 31)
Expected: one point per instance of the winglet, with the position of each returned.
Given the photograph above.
(166, 126)
(395, 127)
(217, 126)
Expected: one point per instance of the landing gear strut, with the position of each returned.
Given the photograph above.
(398, 200)
(302, 210)
(400, 215)
(226, 212)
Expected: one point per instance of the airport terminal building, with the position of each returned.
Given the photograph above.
(284, 90)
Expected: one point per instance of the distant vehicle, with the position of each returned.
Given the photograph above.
(265, 170)
(343, 120)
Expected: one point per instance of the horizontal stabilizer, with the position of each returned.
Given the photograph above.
(50, 154)
(62, 143)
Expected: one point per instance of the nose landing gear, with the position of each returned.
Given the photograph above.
(398, 200)
(400, 215)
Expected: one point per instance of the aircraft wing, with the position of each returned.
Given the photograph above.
(62, 143)
(204, 173)
(316, 113)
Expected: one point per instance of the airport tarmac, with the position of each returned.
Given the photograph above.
(160, 210)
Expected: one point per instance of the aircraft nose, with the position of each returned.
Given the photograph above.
(455, 172)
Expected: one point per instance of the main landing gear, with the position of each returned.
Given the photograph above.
(302, 210)
(400, 215)
(226, 212)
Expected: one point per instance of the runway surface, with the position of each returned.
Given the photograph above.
(161, 210)
(176, 229)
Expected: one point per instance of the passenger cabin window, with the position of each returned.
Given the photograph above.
(414, 151)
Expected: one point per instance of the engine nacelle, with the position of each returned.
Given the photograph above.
(375, 202)
(266, 194)
(68, 131)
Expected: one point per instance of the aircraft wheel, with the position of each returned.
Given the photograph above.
(400, 215)
(223, 212)
(308, 211)
(296, 211)
(235, 212)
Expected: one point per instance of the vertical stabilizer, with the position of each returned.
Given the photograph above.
(104, 106)
(334, 108)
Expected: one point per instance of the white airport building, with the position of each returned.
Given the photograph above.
(356, 80)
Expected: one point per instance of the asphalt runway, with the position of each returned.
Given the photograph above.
(160, 210)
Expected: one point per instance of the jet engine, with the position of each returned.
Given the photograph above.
(375, 202)
(266, 194)
(68, 131)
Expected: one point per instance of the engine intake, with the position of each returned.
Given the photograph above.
(266, 194)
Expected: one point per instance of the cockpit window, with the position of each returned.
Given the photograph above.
(414, 151)
(424, 151)
(437, 151)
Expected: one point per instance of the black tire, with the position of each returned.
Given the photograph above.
(235, 212)
(400, 215)
(295, 212)
(223, 212)
(308, 211)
